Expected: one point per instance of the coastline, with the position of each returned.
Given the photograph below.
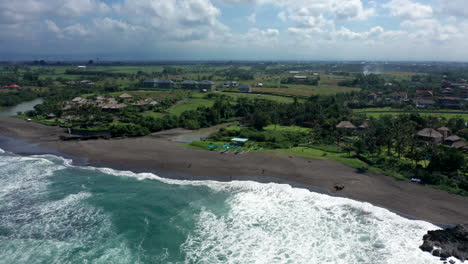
(172, 160)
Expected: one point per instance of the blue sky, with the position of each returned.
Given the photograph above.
(234, 29)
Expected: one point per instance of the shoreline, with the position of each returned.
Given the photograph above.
(171, 160)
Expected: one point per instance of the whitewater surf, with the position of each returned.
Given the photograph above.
(54, 212)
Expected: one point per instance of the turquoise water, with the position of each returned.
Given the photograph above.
(53, 212)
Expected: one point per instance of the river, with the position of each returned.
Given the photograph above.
(23, 107)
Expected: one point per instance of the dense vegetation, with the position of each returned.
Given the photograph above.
(284, 114)
(16, 97)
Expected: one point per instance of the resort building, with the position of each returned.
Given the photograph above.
(189, 85)
(207, 85)
(444, 131)
(245, 89)
(125, 96)
(150, 83)
(165, 84)
(430, 135)
(346, 125)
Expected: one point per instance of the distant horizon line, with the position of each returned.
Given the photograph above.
(95, 61)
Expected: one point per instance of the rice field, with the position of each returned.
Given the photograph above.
(378, 112)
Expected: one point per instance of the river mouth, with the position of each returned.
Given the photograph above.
(23, 107)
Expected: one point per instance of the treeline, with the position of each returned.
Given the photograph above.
(17, 97)
(378, 82)
(270, 138)
(392, 144)
(320, 113)
(235, 73)
(307, 81)
(96, 73)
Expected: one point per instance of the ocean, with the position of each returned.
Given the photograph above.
(54, 212)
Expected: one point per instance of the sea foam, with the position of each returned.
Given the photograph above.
(264, 223)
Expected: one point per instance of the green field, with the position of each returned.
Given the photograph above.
(377, 112)
(189, 104)
(281, 99)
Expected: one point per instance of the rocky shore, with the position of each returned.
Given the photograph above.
(451, 242)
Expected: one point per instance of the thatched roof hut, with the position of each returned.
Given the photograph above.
(125, 96)
(113, 106)
(443, 129)
(430, 133)
(458, 144)
(453, 138)
(346, 124)
(140, 103)
(79, 100)
(364, 125)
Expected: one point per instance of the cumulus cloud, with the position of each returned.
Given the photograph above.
(347, 34)
(196, 25)
(180, 19)
(262, 35)
(431, 29)
(351, 9)
(51, 26)
(457, 8)
(12, 12)
(407, 9)
(252, 18)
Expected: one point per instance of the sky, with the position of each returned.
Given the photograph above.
(393, 30)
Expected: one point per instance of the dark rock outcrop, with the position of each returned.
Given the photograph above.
(451, 242)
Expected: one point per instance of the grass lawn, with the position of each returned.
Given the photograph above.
(276, 98)
(313, 153)
(376, 112)
(443, 115)
(153, 114)
(189, 104)
(305, 152)
(287, 128)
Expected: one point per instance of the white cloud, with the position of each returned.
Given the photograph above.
(76, 30)
(351, 9)
(185, 27)
(262, 35)
(431, 30)
(252, 18)
(407, 9)
(176, 19)
(12, 12)
(52, 26)
(347, 34)
(457, 8)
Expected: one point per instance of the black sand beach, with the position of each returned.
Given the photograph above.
(170, 159)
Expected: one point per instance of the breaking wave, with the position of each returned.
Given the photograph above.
(54, 212)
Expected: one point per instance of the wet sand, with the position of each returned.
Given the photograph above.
(170, 159)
